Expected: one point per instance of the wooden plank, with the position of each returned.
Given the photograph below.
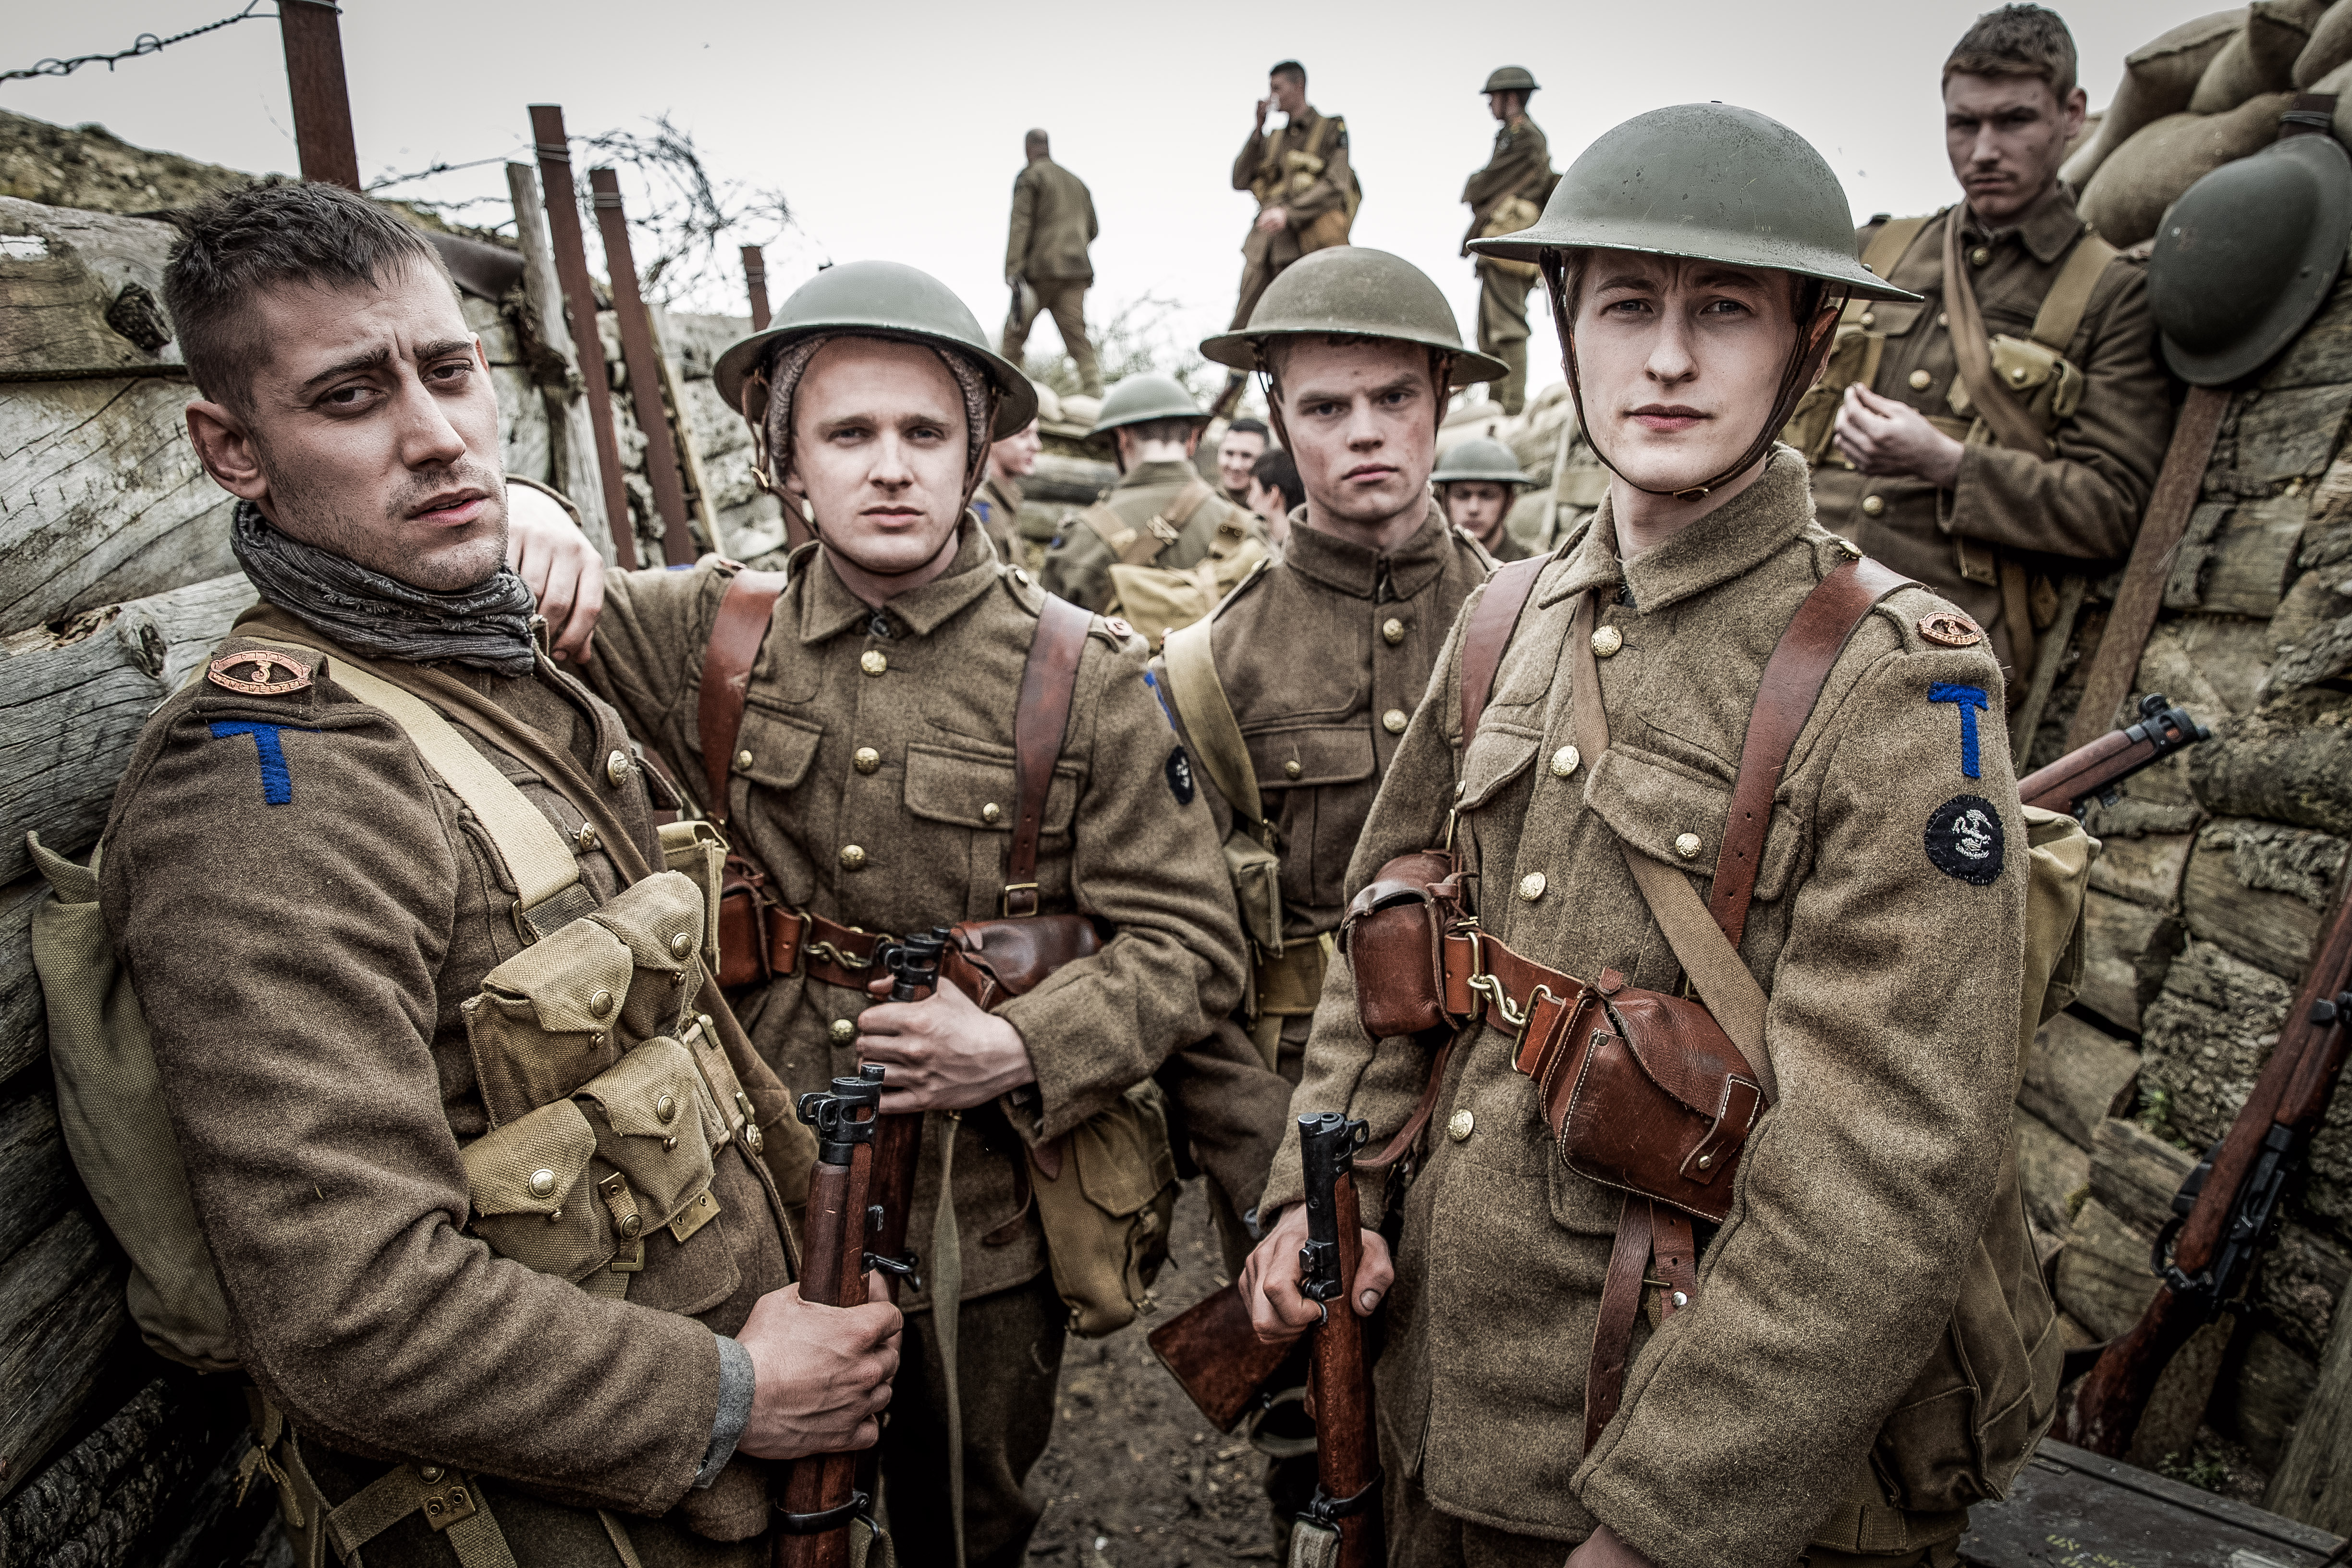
(34, 1168)
(2135, 1172)
(2208, 1035)
(2314, 1482)
(2076, 1077)
(2238, 559)
(2262, 1396)
(2073, 1509)
(2286, 761)
(61, 1314)
(2287, 435)
(2104, 1280)
(72, 704)
(101, 499)
(23, 1023)
(2321, 354)
(572, 460)
(81, 294)
(2126, 949)
(2052, 1169)
(2146, 870)
(2257, 889)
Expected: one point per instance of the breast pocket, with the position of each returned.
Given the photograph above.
(1673, 813)
(774, 750)
(1318, 782)
(963, 801)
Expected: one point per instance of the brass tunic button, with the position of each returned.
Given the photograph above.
(1393, 631)
(666, 1109)
(600, 1003)
(866, 758)
(1292, 768)
(1873, 505)
(681, 944)
(1021, 575)
(2017, 375)
(543, 1183)
(1607, 641)
(616, 768)
(872, 661)
(1531, 885)
(1869, 318)
(428, 1474)
(1921, 381)
(991, 814)
(742, 759)
(632, 1227)
(853, 857)
(1942, 320)
(586, 837)
(1458, 1125)
(1565, 760)
(1688, 846)
(844, 1031)
(1394, 720)
(1980, 255)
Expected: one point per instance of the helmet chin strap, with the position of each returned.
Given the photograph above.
(1804, 367)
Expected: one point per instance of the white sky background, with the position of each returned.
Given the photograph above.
(895, 130)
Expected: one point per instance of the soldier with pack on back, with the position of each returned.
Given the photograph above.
(1505, 198)
(2001, 433)
(493, 1186)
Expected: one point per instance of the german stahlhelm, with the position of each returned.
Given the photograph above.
(1480, 458)
(1141, 399)
(1355, 291)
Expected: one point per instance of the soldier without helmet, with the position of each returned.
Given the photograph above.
(1791, 1394)
(1045, 260)
(1995, 513)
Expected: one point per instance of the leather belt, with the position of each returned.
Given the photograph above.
(1516, 996)
(822, 949)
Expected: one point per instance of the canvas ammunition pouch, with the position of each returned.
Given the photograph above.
(1511, 215)
(1288, 174)
(1657, 1094)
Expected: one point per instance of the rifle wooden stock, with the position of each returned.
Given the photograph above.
(2090, 771)
(897, 1151)
(1347, 1453)
(1217, 1358)
(2107, 1402)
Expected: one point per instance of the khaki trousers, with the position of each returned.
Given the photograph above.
(1064, 299)
(1008, 1360)
(1503, 332)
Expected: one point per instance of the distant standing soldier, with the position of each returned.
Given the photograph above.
(1989, 496)
(1052, 224)
(1504, 198)
(1476, 484)
(1307, 193)
(1160, 513)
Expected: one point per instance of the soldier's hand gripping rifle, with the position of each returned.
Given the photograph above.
(898, 1143)
(1341, 1527)
(2223, 1212)
(821, 1496)
(2092, 772)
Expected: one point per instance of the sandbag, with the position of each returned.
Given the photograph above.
(2260, 58)
(2339, 82)
(2330, 46)
(2160, 78)
(2127, 197)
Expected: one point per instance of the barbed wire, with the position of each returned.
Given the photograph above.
(144, 45)
(385, 182)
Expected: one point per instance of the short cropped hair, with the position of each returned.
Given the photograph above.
(2017, 40)
(1249, 427)
(1291, 68)
(237, 244)
(1175, 429)
(1279, 471)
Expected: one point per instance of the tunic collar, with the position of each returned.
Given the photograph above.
(1353, 570)
(828, 608)
(1736, 537)
(2046, 228)
(1161, 473)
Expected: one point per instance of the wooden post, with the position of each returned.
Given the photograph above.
(567, 410)
(689, 456)
(572, 266)
(2314, 1482)
(645, 369)
(322, 101)
(755, 278)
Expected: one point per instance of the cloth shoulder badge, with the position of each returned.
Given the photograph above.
(1964, 838)
(261, 671)
(1179, 776)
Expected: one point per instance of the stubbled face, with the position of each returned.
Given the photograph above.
(1015, 457)
(879, 448)
(1362, 417)
(1238, 454)
(371, 431)
(1269, 503)
(2007, 135)
(1681, 361)
(1289, 94)
(1477, 505)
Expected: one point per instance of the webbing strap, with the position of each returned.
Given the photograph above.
(402, 1490)
(623, 1547)
(542, 864)
(1972, 351)
(1885, 248)
(947, 1312)
(2061, 315)
(1209, 721)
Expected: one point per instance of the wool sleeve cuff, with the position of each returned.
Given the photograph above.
(737, 1383)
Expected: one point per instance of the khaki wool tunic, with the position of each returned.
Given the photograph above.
(875, 787)
(303, 907)
(2074, 512)
(1077, 563)
(1052, 224)
(1892, 1025)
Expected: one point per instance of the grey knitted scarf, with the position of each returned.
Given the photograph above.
(486, 626)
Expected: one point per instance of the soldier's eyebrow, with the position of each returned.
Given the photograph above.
(444, 348)
(373, 359)
(1627, 281)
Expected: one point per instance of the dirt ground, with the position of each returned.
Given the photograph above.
(1136, 1477)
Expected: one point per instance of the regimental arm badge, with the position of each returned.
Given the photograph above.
(260, 671)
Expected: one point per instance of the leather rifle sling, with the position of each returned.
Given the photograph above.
(736, 633)
(2117, 663)
(1489, 632)
(1048, 682)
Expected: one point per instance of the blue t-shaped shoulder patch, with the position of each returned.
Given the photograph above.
(277, 783)
(1968, 699)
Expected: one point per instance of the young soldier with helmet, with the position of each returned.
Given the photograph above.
(1475, 484)
(1504, 198)
(1161, 512)
(2002, 432)
(1851, 1342)
(871, 776)
(492, 1185)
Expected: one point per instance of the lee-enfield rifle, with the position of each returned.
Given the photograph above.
(820, 1495)
(2223, 1213)
(899, 1142)
(2092, 772)
(1341, 1526)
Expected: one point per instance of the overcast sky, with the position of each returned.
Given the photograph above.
(895, 131)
